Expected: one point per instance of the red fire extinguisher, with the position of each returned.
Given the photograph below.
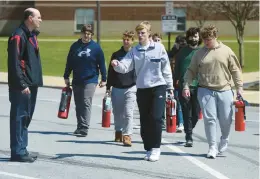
(65, 102)
(106, 110)
(170, 114)
(240, 114)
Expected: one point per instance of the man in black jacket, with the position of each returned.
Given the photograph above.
(24, 78)
(123, 93)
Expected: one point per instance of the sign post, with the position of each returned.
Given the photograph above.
(169, 21)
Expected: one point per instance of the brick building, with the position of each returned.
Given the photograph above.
(66, 17)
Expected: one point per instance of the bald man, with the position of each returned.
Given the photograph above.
(24, 78)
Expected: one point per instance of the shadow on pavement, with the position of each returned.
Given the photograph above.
(170, 154)
(4, 159)
(111, 142)
(92, 142)
(51, 133)
(61, 156)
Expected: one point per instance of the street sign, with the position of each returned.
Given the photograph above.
(169, 8)
(169, 23)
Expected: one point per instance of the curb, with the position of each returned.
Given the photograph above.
(59, 87)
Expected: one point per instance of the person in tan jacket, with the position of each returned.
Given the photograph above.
(215, 65)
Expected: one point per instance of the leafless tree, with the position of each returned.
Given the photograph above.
(200, 11)
(239, 12)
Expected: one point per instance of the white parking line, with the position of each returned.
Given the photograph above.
(195, 161)
(16, 175)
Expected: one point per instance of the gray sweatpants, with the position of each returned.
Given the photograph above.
(216, 105)
(83, 95)
(123, 102)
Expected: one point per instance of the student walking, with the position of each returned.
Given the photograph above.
(123, 93)
(86, 60)
(214, 66)
(151, 64)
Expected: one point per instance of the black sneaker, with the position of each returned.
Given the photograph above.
(76, 132)
(189, 140)
(31, 155)
(189, 143)
(23, 158)
(82, 133)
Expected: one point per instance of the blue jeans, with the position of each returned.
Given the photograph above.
(21, 112)
(179, 109)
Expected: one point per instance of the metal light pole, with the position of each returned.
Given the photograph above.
(98, 21)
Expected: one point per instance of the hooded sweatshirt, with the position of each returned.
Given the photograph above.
(214, 68)
(85, 60)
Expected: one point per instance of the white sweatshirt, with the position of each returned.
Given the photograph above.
(151, 64)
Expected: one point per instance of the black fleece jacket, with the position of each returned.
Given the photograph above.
(119, 80)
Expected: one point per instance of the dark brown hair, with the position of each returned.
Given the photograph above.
(87, 28)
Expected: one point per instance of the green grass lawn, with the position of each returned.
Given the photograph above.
(53, 55)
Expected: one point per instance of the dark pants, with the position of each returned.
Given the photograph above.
(179, 114)
(83, 95)
(151, 104)
(191, 109)
(21, 112)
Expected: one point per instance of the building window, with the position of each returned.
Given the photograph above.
(82, 17)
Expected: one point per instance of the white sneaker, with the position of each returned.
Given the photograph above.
(212, 153)
(155, 154)
(223, 145)
(180, 128)
(147, 156)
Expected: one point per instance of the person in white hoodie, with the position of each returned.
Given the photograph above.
(153, 77)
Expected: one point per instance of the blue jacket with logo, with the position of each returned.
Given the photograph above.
(86, 60)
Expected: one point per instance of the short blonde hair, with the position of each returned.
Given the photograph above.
(144, 25)
(209, 31)
(129, 34)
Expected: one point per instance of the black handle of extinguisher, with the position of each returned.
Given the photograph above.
(240, 98)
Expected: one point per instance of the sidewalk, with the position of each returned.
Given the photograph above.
(57, 82)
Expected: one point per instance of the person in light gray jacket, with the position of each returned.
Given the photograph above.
(153, 77)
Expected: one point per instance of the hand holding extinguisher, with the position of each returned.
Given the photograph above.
(240, 113)
(106, 110)
(64, 107)
(171, 106)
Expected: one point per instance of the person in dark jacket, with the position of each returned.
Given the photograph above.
(180, 42)
(123, 93)
(24, 78)
(190, 106)
(86, 60)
